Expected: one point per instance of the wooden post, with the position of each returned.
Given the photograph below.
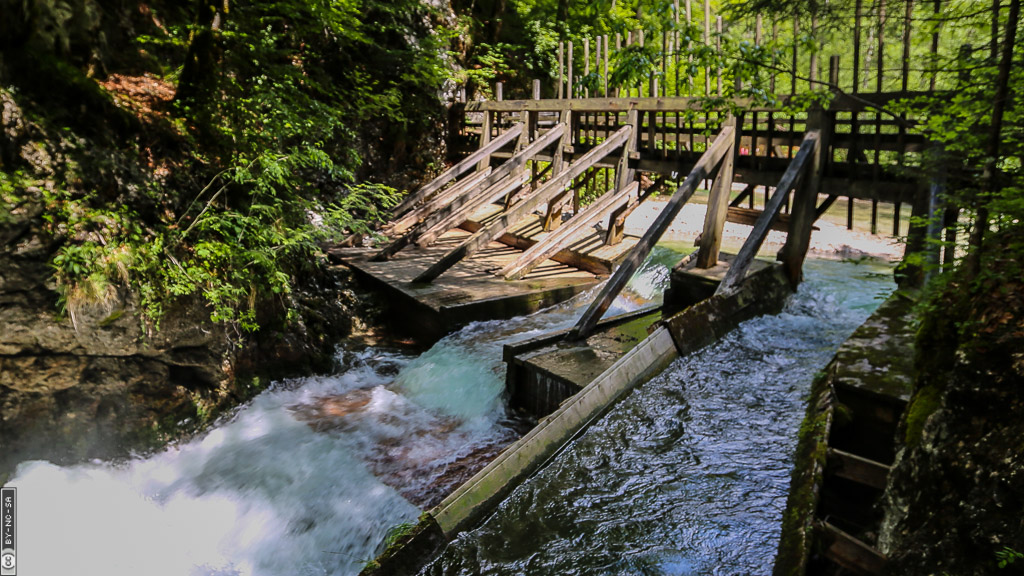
(586, 65)
(561, 79)
(711, 157)
(499, 91)
(718, 202)
(618, 47)
(485, 137)
(707, 42)
(597, 61)
(624, 175)
(536, 89)
(813, 73)
(718, 47)
(606, 65)
(804, 202)
(935, 49)
(572, 88)
(858, 6)
(795, 171)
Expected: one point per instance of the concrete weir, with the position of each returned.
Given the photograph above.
(620, 354)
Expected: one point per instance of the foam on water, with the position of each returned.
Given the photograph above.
(302, 480)
(688, 474)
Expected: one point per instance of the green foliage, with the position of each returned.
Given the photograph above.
(1007, 556)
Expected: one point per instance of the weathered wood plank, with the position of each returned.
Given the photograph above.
(461, 167)
(858, 469)
(718, 207)
(629, 266)
(544, 194)
(841, 102)
(542, 250)
(437, 201)
(851, 553)
(740, 264)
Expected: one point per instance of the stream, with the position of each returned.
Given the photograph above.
(689, 472)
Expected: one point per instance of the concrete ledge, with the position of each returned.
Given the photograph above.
(468, 504)
(762, 292)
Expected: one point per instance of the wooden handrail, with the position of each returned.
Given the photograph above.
(790, 179)
(707, 162)
(543, 194)
(496, 179)
(455, 171)
(543, 249)
(493, 188)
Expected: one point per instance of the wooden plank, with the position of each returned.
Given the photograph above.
(804, 202)
(437, 201)
(636, 257)
(495, 186)
(858, 469)
(851, 553)
(553, 187)
(490, 183)
(740, 264)
(554, 242)
(840, 102)
(461, 167)
(718, 207)
(511, 183)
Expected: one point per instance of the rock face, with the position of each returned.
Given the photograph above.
(955, 499)
(956, 495)
(109, 383)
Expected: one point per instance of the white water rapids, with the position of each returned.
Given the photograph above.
(301, 480)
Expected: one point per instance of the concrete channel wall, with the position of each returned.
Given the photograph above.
(688, 330)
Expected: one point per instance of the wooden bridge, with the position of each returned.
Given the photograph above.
(534, 210)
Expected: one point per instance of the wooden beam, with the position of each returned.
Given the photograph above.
(840, 102)
(718, 206)
(496, 185)
(851, 553)
(636, 257)
(486, 148)
(437, 201)
(554, 242)
(544, 194)
(804, 202)
(740, 264)
(858, 469)
(490, 183)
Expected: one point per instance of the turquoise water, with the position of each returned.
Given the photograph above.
(689, 474)
(308, 477)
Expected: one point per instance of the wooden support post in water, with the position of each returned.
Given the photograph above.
(711, 157)
(718, 203)
(804, 202)
(794, 172)
(553, 187)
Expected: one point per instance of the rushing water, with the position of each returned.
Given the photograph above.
(689, 474)
(305, 479)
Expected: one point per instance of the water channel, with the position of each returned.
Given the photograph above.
(687, 475)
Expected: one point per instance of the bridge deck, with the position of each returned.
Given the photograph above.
(471, 291)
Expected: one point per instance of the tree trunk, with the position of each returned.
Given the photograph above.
(988, 175)
(199, 73)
